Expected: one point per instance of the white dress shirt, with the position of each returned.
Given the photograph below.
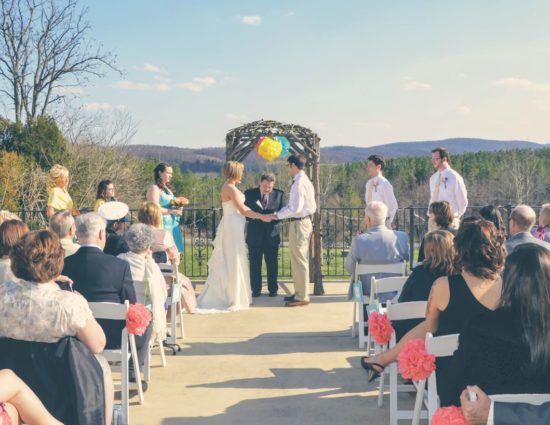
(382, 191)
(302, 199)
(451, 189)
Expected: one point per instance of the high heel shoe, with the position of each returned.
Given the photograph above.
(369, 367)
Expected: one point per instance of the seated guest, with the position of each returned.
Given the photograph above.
(10, 233)
(454, 299)
(378, 245)
(115, 213)
(34, 308)
(100, 277)
(62, 224)
(439, 262)
(441, 217)
(542, 231)
(492, 213)
(139, 238)
(485, 411)
(507, 351)
(164, 248)
(522, 219)
(19, 402)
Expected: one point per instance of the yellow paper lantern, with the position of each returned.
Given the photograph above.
(270, 149)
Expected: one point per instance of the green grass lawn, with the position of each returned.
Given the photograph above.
(195, 266)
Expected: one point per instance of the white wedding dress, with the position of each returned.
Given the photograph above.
(227, 286)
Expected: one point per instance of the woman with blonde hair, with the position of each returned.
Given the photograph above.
(439, 261)
(227, 287)
(163, 247)
(542, 231)
(58, 196)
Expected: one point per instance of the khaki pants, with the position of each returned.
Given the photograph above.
(299, 235)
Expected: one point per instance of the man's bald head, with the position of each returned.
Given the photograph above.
(376, 213)
(524, 218)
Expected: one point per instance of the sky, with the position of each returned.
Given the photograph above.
(359, 73)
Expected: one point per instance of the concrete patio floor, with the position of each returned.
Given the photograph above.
(268, 365)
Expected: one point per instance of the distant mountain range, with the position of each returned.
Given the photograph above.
(209, 159)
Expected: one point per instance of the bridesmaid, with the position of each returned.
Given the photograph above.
(160, 194)
(105, 193)
(58, 197)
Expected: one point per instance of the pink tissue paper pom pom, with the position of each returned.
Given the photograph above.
(137, 319)
(415, 362)
(380, 328)
(449, 416)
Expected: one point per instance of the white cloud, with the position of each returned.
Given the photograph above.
(521, 83)
(462, 109)
(372, 124)
(149, 67)
(542, 104)
(95, 106)
(252, 20)
(131, 85)
(197, 84)
(316, 125)
(74, 90)
(411, 84)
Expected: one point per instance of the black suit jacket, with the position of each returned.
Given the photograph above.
(521, 413)
(100, 277)
(258, 232)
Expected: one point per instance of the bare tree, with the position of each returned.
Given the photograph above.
(44, 49)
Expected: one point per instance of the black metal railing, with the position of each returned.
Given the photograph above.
(338, 227)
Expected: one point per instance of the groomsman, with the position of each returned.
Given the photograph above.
(301, 207)
(263, 239)
(378, 188)
(447, 185)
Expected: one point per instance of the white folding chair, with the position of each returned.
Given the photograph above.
(141, 297)
(440, 346)
(535, 399)
(359, 299)
(395, 312)
(118, 358)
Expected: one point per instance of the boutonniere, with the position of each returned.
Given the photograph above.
(375, 183)
(444, 181)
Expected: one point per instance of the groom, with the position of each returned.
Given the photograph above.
(262, 238)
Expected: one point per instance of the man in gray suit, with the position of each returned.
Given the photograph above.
(485, 411)
(378, 245)
(522, 219)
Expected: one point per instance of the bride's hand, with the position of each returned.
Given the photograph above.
(266, 218)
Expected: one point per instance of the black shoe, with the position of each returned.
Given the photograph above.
(256, 294)
(290, 298)
(369, 367)
(273, 294)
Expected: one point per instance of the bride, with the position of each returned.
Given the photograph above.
(227, 286)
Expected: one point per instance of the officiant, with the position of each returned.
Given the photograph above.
(263, 239)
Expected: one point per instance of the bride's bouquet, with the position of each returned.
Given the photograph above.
(179, 202)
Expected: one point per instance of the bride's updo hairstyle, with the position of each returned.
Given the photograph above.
(233, 170)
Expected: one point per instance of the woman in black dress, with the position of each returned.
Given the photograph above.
(508, 351)
(454, 299)
(439, 261)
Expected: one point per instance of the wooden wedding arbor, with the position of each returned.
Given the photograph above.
(241, 141)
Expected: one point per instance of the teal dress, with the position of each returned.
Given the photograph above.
(171, 222)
